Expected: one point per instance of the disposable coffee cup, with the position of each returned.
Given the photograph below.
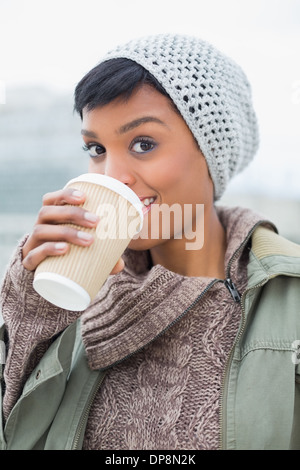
(71, 281)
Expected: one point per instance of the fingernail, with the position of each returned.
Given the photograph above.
(90, 217)
(60, 246)
(84, 236)
(77, 194)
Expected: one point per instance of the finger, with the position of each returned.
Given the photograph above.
(118, 267)
(56, 233)
(65, 233)
(66, 214)
(37, 255)
(64, 196)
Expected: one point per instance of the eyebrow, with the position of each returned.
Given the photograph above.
(127, 127)
(88, 133)
(137, 122)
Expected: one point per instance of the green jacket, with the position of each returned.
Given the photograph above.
(261, 390)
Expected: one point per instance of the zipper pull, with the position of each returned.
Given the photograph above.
(233, 290)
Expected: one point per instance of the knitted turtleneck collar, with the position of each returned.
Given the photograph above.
(140, 303)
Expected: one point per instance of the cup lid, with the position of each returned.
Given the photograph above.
(115, 185)
(61, 291)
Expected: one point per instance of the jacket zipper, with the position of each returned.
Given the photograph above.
(232, 290)
(85, 413)
(224, 385)
(240, 299)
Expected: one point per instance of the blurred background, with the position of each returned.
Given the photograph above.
(47, 46)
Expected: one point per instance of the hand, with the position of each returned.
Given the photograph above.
(51, 237)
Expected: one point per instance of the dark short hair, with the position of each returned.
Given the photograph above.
(112, 79)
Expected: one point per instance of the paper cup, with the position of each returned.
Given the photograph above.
(72, 281)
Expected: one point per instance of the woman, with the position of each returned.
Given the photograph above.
(182, 348)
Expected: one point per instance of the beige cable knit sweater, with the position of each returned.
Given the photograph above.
(166, 338)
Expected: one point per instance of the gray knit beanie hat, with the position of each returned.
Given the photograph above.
(212, 94)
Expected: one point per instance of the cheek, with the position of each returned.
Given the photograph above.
(187, 179)
(168, 173)
(180, 181)
(96, 167)
(91, 166)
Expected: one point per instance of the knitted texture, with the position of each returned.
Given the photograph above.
(166, 394)
(212, 94)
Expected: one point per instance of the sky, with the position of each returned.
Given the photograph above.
(54, 43)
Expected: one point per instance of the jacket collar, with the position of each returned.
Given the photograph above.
(272, 255)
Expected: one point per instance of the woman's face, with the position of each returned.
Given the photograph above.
(144, 143)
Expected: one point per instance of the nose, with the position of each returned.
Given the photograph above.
(118, 167)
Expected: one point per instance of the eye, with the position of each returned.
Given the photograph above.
(94, 150)
(142, 145)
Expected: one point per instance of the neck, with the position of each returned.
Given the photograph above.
(205, 261)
